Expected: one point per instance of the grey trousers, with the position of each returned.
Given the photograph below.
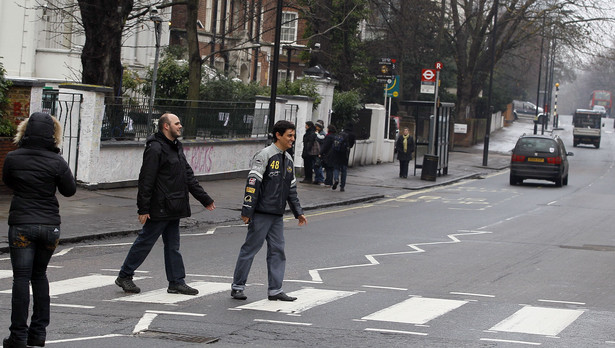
(262, 227)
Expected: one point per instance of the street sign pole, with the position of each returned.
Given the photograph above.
(432, 135)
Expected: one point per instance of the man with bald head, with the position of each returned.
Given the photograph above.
(165, 180)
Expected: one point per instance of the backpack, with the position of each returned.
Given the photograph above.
(340, 144)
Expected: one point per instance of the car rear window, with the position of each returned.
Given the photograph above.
(537, 145)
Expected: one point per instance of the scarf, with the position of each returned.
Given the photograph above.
(406, 142)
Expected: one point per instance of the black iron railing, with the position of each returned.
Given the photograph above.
(201, 119)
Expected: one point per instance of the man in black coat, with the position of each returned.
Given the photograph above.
(165, 180)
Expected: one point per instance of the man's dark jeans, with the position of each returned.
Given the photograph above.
(173, 261)
(31, 247)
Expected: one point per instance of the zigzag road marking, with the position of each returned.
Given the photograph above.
(416, 248)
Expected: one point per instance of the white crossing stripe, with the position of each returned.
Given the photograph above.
(161, 295)
(416, 310)
(5, 274)
(78, 284)
(538, 320)
(306, 299)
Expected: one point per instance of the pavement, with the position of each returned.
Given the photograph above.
(98, 214)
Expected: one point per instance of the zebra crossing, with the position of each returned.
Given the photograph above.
(415, 311)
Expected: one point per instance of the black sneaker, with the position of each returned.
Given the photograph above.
(238, 295)
(127, 285)
(335, 185)
(35, 341)
(181, 289)
(342, 189)
(281, 297)
(9, 342)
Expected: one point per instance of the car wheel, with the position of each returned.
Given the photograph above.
(597, 146)
(559, 181)
(514, 180)
(565, 182)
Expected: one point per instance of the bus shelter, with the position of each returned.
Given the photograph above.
(431, 136)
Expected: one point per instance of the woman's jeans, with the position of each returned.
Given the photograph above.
(31, 247)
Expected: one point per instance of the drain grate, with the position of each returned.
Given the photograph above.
(174, 336)
(591, 247)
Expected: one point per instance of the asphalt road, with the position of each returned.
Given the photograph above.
(478, 263)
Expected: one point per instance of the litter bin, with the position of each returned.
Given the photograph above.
(430, 167)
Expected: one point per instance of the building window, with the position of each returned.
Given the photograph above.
(58, 27)
(289, 27)
(282, 76)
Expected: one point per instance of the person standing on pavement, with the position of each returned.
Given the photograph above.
(271, 184)
(319, 177)
(404, 145)
(165, 180)
(326, 154)
(342, 168)
(34, 172)
(311, 150)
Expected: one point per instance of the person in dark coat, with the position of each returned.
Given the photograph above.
(327, 156)
(165, 180)
(404, 147)
(311, 149)
(34, 172)
(319, 177)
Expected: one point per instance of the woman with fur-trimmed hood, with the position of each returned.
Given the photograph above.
(34, 172)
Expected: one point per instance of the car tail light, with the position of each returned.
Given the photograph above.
(517, 158)
(554, 160)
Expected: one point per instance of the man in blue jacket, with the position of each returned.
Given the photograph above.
(271, 184)
(165, 180)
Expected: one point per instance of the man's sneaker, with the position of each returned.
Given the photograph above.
(342, 189)
(281, 297)
(335, 185)
(181, 289)
(127, 285)
(238, 295)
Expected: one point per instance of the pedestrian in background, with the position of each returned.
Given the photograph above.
(327, 156)
(404, 145)
(34, 172)
(311, 150)
(165, 180)
(341, 170)
(319, 177)
(271, 184)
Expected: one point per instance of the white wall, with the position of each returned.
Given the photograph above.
(376, 149)
(23, 30)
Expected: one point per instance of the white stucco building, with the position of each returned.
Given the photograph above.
(38, 42)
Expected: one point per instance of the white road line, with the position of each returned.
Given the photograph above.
(563, 302)
(282, 322)
(161, 296)
(144, 322)
(71, 306)
(469, 294)
(315, 273)
(383, 287)
(538, 320)
(306, 299)
(177, 313)
(416, 310)
(78, 284)
(87, 338)
(396, 331)
(6, 274)
(510, 341)
(63, 252)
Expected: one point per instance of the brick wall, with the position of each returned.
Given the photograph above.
(19, 105)
(6, 145)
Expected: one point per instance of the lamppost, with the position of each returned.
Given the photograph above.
(489, 113)
(154, 17)
(289, 49)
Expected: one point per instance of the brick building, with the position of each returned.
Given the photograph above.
(237, 37)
